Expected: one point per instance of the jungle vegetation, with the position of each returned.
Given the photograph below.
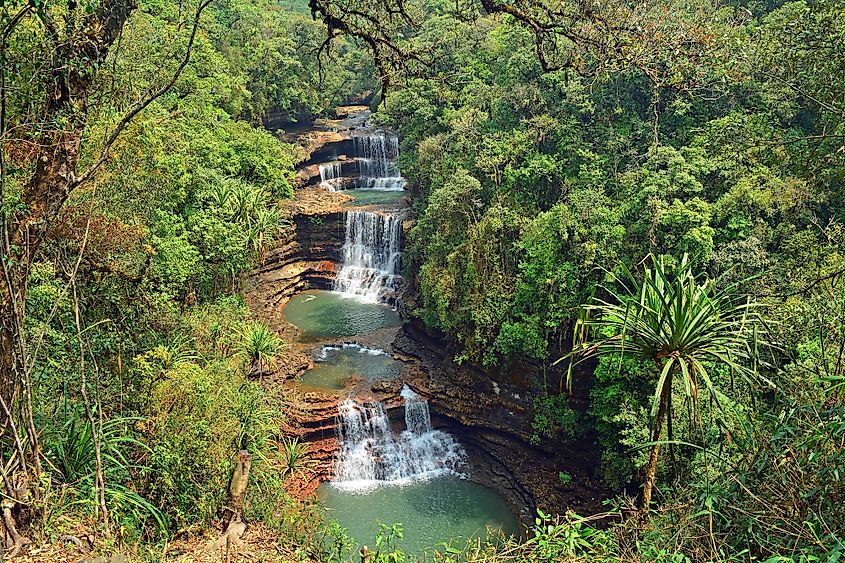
(657, 185)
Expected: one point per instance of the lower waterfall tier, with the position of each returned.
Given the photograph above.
(373, 455)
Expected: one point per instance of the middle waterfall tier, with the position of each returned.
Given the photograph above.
(372, 255)
(372, 455)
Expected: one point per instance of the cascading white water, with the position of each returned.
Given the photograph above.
(331, 176)
(372, 455)
(376, 168)
(325, 350)
(417, 416)
(371, 255)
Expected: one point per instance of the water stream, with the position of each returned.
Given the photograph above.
(411, 476)
(371, 255)
(374, 197)
(375, 154)
(373, 455)
(387, 469)
(331, 175)
(441, 511)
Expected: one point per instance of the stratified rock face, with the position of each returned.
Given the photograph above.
(307, 258)
(317, 424)
(337, 148)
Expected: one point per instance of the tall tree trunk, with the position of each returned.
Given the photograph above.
(8, 342)
(15, 385)
(651, 468)
(75, 60)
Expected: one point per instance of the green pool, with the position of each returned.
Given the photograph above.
(374, 197)
(326, 314)
(446, 510)
(335, 365)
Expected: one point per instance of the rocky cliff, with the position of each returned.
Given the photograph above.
(306, 258)
(491, 411)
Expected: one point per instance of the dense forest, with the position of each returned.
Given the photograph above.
(644, 201)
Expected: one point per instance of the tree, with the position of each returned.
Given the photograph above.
(684, 324)
(261, 347)
(678, 45)
(54, 54)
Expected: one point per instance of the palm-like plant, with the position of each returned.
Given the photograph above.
(260, 347)
(220, 193)
(681, 323)
(295, 461)
(72, 454)
(244, 200)
(263, 228)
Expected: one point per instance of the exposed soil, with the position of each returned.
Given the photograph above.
(257, 544)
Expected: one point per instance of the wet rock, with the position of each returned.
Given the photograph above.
(491, 412)
(305, 258)
(387, 386)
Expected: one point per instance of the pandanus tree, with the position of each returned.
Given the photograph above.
(260, 347)
(684, 324)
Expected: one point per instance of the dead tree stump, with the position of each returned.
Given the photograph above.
(240, 478)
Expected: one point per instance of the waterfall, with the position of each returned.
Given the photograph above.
(323, 355)
(417, 417)
(371, 255)
(376, 168)
(331, 175)
(372, 455)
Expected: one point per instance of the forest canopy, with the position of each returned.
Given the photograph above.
(643, 201)
(553, 146)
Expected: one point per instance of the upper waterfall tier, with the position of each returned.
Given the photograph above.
(331, 175)
(366, 161)
(371, 255)
(375, 154)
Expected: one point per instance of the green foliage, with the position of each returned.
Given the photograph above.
(385, 544)
(617, 409)
(295, 458)
(573, 159)
(682, 324)
(566, 538)
(73, 459)
(701, 131)
(260, 347)
(554, 541)
(73, 451)
(191, 442)
(554, 418)
(189, 199)
(678, 321)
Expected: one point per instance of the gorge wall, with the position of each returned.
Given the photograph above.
(491, 410)
(306, 257)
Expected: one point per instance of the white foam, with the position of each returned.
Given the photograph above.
(372, 455)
